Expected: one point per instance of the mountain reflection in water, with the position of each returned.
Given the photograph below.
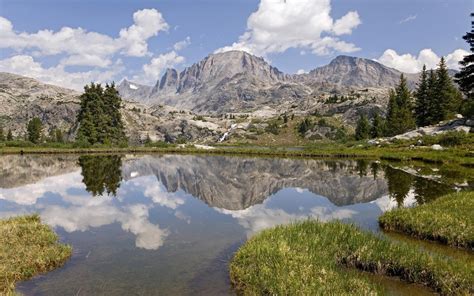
(170, 222)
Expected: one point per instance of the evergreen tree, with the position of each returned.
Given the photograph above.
(363, 128)
(422, 99)
(2, 135)
(392, 111)
(34, 130)
(465, 78)
(9, 135)
(432, 103)
(448, 97)
(115, 130)
(99, 116)
(378, 126)
(400, 116)
(58, 136)
(304, 126)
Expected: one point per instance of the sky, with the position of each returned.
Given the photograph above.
(73, 42)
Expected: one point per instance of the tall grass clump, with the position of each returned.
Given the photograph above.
(27, 248)
(313, 258)
(449, 220)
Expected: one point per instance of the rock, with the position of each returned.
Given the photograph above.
(469, 122)
(437, 147)
(373, 142)
(459, 116)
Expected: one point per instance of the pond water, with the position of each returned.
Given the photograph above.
(169, 224)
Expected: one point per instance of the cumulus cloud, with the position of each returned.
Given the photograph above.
(412, 63)
(153, 70)
(279, 25)
(147, 23)
(182, 44)
(86, 48)
(57, 75)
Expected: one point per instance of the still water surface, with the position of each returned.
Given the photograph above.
(168, 224)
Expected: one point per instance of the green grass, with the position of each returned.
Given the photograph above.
(449, 220)
(27, 248)
(462, 156)
(313, 258)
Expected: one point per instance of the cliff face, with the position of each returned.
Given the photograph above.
(236, 183)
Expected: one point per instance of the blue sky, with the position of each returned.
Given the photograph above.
(296, 35)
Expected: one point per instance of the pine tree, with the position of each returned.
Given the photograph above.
(448, 98)
(422, 99)
(99, 118)
(400, 116)
(363, 128)
(432, 103)
(2, 135)
(9, 135)
(58, 136)
(392, 112)
(465, 78)
(112, 103)
(378, 127)
(34, 130)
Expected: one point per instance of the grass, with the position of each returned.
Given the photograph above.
(27, 248)
(449, 220)
(313, 258)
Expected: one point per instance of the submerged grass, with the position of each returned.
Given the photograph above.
(449, 220)
(27, 248)
(313, 258)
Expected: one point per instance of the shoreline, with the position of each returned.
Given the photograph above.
(462, 157)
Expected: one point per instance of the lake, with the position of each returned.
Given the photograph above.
(169, 224)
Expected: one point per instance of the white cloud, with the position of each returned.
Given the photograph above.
(182, 44)
(412, 64)
(153, 70)
(301, 71)
(408, 19)
(279, 25)
(147, 23)
(86, 48)
(57, 75)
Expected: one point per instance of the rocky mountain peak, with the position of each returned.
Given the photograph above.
(133, 91)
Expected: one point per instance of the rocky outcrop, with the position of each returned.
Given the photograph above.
(456, 125)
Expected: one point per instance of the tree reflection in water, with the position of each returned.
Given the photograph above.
(425, 190)
(101, 174)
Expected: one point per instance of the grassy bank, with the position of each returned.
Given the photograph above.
(461, 156)
(449, 220)
(313, 258)
(27, 248)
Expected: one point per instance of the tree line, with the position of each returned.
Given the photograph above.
(435, 99)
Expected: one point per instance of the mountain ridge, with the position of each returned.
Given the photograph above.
(236, 80)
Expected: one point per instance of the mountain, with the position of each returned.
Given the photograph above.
(236, 81)
(132, 91)
(346, 71)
